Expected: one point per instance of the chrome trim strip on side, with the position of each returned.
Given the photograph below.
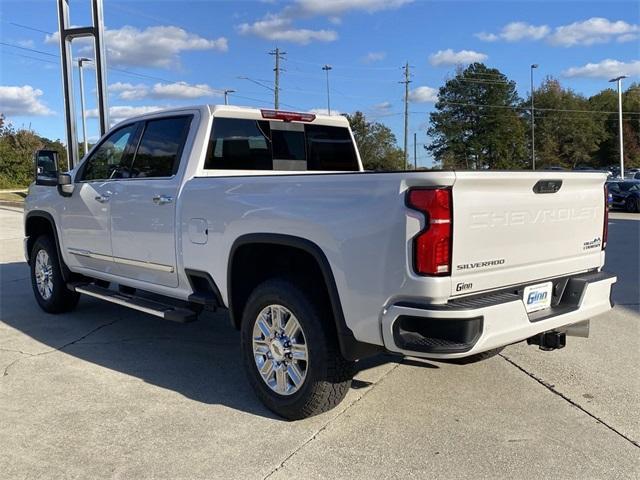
(149, 265)
(86, 253)
(124, 261)
(120, 301)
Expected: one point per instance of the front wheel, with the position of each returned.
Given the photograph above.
(49, 287)
(291, 352)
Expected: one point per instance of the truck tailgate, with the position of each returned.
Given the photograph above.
(513, 228)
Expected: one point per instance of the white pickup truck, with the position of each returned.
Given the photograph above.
(269, 215)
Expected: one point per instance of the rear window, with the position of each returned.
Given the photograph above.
(238, 144)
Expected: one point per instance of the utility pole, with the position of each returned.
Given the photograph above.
(533, 124)
(618, 80)
(226, 96)
(326, 68)
(406, 82)
(415, 151)
(276, 92)
(85, 143)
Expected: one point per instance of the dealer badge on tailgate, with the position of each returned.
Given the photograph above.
(538, 297)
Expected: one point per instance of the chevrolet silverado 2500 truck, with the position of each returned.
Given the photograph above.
(269, 215)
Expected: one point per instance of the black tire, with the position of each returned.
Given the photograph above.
(632, 205)
(60, 299)
(478, 357)
(328, 373)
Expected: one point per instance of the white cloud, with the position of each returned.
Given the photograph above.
(22, 101)
(382, 107)
(449, 57)
(423, 95)
(334, 8)
(158, 46)
(594, 30)
(606, 69)
(119, 113)
(372, 57)
(516, 31)
(280, 26)
(177, 90)
(26, 43)
(586, 32)
(324, 111)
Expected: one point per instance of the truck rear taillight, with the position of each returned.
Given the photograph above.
(432, 246)
(605, 228)
(287, 116)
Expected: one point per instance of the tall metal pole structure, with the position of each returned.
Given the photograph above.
(533, 123)
(67, 35)
(226, 96)
(326, 68)
(618, 80)
(85, 144)
(276, 92)
(406, 82)
(415, 151)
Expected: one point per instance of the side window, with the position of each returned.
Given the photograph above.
(111, 159)
(330, 148)
(160, 147)
(238, 144)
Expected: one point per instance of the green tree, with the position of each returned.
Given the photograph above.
(476, 123)
(608, 148)
(567, 132)
(376, 143)
(17, 148)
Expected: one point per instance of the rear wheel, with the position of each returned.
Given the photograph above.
(49, 287)
(291, 353)
(632, 205)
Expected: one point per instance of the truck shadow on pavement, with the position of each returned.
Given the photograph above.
(200, 360)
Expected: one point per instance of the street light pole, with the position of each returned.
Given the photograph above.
(85, 143)
(226, 96)
(326, 68)
(618, 80)
(533, 123)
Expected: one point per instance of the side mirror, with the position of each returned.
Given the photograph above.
(46, 162)
(65, 184)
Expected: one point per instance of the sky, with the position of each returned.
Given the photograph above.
(168, 53)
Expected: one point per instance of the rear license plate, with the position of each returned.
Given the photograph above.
(538, 297)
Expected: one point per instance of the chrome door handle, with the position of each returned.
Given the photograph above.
(162, 199)
(102, 198)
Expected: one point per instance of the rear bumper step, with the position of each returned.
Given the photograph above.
(162, 310)
(465, 327)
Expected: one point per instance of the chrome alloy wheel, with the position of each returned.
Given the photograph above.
(280, 349)
(44, 274)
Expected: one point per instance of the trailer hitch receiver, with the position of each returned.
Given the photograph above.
(548, 341)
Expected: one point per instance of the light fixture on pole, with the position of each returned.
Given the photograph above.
(618, 80)
(226, 96)
(533, 123)
(326, 68)
(81, 62)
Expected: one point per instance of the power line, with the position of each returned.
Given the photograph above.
(125, 72)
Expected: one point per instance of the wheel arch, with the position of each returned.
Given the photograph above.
(37, 223)
(350, 348)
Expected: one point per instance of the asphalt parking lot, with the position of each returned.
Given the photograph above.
(106, 392)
